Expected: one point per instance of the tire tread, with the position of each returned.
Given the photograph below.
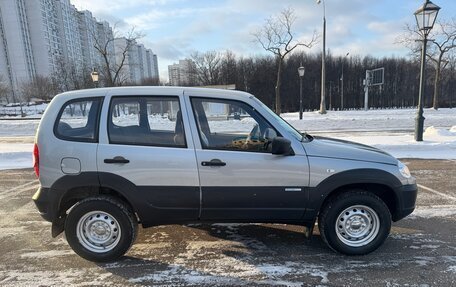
(125, 209)
(326, 209)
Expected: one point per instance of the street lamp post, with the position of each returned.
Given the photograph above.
(95, 77)
(301, 71)
(323, 62)
(342, 83)
(425, 19)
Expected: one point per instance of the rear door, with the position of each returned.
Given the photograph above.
(146, 154)
(240, 178)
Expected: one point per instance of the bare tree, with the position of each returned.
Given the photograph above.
(443, 40)
(4, 89)
(207, 67)
(276, 36)
(451, 76)
(114, 52)
(67, 77)
(228, 68)
(150, 81)
(40, 87)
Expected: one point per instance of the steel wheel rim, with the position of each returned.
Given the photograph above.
(98, 231)
(357, 225)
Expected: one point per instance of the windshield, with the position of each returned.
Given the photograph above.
(289, 128)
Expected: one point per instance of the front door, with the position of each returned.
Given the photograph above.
(147, 155)
(240, 178)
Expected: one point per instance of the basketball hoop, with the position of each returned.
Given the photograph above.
(374, 77)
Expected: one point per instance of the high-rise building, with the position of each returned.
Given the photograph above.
(155, 66)
(105, 35)
(181, 74)
(149, 59)
(88, 31)
(40, 37)
(152, 65)
(30, 42)
(142, 61)
(17, 63)
(69, 32)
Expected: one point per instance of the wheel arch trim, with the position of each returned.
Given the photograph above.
(87, 184)
(352, 178)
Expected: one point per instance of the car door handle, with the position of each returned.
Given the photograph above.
(213, 162)
(116, 159)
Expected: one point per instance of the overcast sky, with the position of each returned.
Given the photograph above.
(175, 28)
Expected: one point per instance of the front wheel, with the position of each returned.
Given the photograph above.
(100, 229)
(355, 222)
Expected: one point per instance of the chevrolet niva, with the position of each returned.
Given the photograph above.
(110, 158)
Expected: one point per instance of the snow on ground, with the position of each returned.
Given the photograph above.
(437, 143)
(17, 155)
(31, 111)
(373, 120)
(390, 130)
(15, 128)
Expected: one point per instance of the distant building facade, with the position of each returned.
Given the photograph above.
(182, 73)
(37, 37)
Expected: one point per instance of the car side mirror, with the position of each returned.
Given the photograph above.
(281, 146)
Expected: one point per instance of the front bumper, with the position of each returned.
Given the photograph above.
(406, 196)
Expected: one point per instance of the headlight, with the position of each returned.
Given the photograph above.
(403, 169)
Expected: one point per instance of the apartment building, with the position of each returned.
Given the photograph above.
(37, 37)
(180, 74)
(69, 32)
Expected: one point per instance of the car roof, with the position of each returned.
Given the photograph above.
(153, 90)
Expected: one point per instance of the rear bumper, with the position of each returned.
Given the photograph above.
(406, 195)
(43, 201)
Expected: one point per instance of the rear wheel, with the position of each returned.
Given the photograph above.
(100, 228)
(355, 222)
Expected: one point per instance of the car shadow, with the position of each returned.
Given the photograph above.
(188, 260)
(272, 237)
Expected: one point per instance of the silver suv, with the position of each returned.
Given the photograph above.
(108, 159)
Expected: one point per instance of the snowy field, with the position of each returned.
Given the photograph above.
(389, 130)
(31, 111)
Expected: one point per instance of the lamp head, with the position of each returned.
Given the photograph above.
(95, 76)
(426, 16)
(301, 71)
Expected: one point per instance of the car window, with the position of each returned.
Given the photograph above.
(231, 125)
(284, 124)
(150, 121)
(78, 120)
(126, 114)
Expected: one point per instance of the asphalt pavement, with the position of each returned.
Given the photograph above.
(421, 250)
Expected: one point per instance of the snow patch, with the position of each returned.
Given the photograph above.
(11, 231)
(46, 254)
(71, 277)
(424, 260)
(433, 131)
(17, 155)
(434, 211)
(425, 246)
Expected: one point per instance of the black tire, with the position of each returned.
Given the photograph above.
(361, 208)
(126, 226)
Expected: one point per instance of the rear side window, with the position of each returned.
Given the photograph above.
(148, 121)
(78, 120)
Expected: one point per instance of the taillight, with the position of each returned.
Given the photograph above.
(36, 160)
